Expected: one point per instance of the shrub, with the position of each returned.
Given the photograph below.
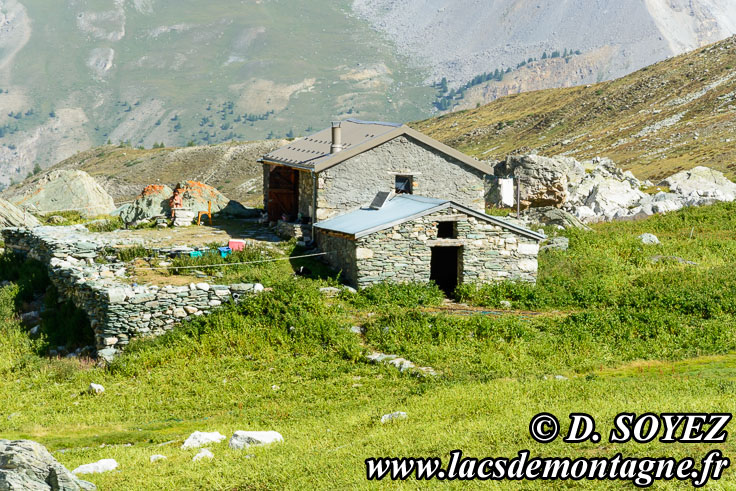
(408, 295)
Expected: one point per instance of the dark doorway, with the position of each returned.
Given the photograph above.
(445, 268)
(283, 193)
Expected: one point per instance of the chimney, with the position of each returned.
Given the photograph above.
(336, 137)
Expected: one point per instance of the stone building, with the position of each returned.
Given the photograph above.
(341, 168)
(416, 239)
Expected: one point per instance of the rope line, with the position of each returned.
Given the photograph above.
(202, 266)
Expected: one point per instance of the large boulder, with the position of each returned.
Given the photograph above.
(153, 201)
(544, 181)
(611, 198)
(606, 193)
(701, 182)
(195, 196)
(66, 190)
(12, 216)
(27, 465)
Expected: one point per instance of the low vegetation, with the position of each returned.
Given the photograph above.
(607, 329)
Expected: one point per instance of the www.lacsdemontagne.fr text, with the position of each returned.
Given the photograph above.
(641, 471)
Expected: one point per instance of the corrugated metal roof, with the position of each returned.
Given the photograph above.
(402, 208)
(313, 152)
(365, 220)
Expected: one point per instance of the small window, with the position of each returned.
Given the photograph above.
(447, 230)
(403, 184)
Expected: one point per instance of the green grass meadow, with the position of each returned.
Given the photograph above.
(626, 333)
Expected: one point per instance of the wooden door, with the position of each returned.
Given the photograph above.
(283, 193)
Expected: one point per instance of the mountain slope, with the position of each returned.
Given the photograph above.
(77, 73)
(462, 38)
(124, 171)
(673, 115)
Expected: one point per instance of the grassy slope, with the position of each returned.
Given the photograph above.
(218, 374)
(605, 119)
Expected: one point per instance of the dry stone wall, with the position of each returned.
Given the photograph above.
(118, 312)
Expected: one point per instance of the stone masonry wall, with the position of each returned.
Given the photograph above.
(305, 194)
(403, 252)
(118, 312)
(356, 181)
(340, 255)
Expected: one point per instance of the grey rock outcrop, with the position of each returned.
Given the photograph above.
(605, 193)
(12, 216)
(600, 191)
(66, 190)
(703, 182)
(544, 181)
(152, 202)
(27, 465)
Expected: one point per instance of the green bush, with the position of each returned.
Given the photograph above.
(407, 295)
(16, 348)
(30, 275)
(294, 316)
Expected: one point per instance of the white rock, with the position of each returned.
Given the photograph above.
(104, 465)
(203, 286)
(257, 287)
(201, 438)
(528, 249)
(649, 239)
(245, 439)
(203, 454)
(395, 416)
(157, 457)
(95, 389)
(528, 265)
(363, 253)
(701, 179)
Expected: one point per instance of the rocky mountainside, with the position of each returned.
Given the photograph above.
(671, 116)
(75, 74)
(463, 38)
(163, 71)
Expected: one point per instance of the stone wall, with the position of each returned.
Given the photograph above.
(356, 181)
(403, 253)
(118, 312)
(340, 255)
(305, 194)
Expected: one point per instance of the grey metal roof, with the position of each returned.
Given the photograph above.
(402, 208)
(313, 152)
